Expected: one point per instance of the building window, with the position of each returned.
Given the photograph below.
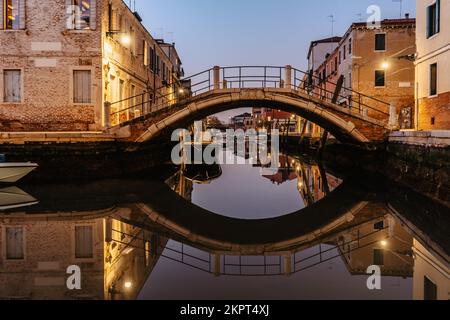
(82, 86)
(345, 52)
(12, 86)
(152, 59)
(146, 60)
(80, 14)
(380, 42)
(10, 14)
(379, 225)
(14, 244)
(164, 75)
(340, 57)
(378, 257)
(158, 63)
(84, 245)
(350, 46)
(433, 79)
(429, 290)
(433, 19)
(335, 64)
(380, 78)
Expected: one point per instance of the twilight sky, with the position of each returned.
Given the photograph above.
(253, 32)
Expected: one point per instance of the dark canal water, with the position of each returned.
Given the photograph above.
(303, 231)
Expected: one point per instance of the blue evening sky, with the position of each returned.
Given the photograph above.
(253, 32)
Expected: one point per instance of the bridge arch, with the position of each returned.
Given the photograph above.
(350, 116)
(342, 123)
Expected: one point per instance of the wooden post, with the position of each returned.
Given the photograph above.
(323, 142)
(302, 134)
(337, 90)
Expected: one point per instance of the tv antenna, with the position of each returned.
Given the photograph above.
(332, 24)
(401, 6)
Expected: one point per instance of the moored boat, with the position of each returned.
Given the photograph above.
(11, 172)
(13, 197)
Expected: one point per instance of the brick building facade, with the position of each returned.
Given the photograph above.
(433, 65)
(376, 62)
(61, 60)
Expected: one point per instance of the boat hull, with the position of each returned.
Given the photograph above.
(11, 173)
(13, 198)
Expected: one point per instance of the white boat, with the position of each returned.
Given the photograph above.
(13, 198)
(11, 172)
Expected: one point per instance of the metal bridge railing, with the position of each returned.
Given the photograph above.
(242, 77)
(255, 266)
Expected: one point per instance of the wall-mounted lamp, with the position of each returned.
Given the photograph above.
(128, 285)
(124, 39)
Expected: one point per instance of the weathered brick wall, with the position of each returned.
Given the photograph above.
(437, 108)
(399, 88)
(50, 243)
(47, 52)
(125, 62)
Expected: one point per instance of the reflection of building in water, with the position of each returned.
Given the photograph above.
(286, 172)
(367, 235)
(431, 274)
(314, 183)
(180, 185)
(386, 244)
(115, 258)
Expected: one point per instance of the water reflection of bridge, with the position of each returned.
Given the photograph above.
(117, 243)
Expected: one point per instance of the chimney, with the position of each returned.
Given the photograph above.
(406, 15)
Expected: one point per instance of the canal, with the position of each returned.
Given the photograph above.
(304, 230)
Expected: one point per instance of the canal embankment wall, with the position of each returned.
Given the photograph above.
(417, 160)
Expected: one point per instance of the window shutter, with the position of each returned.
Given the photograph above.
(438, 16)
(70, 21)
(16, 86)
(12, 86)
(93, 15)
(83, 242)
(22, 15)
(8, 86)
(14, 243)
(82, 86)
(1, 15)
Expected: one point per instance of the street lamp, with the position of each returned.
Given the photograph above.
(385, 64)
(125, 39)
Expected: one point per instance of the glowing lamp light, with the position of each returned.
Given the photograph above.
(128, 285)
(384, 243)
(125, 40)
(385, 65)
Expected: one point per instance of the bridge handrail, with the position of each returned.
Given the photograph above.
(273, 77)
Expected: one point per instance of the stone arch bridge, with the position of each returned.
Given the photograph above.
(348, 115)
